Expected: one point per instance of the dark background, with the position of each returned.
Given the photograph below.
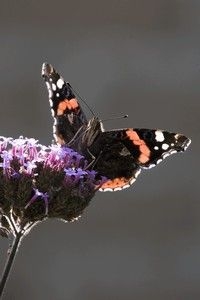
(137, 57)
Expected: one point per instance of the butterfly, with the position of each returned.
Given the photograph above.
(118, 154)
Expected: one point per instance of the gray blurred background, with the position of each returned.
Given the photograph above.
(137, 57)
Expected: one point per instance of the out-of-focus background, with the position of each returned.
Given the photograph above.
(138, 57)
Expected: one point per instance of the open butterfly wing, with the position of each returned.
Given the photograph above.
(120, 154)
(66, 111)
(150, 147)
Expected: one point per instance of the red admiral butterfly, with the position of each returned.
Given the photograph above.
(120, 154)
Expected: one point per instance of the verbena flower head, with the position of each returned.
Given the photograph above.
(39, 182)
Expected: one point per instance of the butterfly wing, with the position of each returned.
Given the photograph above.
(66, 111)
(121, 154)
(149, 147)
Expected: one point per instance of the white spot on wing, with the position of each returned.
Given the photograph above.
(166, 155)
(187, 144)
(53, 87)
(126, 186)
(106, 190)
(165, 146)
(57, 95)
(60, 83)
(159, 136)
(52, 112)
(137, 173)
(156, 148)
(51, 103)
(132, 180)
(173, 151)
(151, 166)
(117, 189)
(50, 93)
(158, 161)
(48, 85)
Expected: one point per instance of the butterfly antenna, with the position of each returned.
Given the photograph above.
(115, 118)
(75, 91)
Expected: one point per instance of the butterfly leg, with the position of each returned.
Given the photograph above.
(94, 160)
(76, 137)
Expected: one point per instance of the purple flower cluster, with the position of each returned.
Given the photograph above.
(39, 182)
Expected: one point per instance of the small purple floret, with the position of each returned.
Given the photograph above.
(38, 194)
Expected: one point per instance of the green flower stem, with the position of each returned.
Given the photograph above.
(11, 257)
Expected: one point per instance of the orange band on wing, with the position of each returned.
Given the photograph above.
(145, 152)
(67, 105)
(115, 183)
(133, 136)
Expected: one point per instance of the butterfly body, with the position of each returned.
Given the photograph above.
(119, 154)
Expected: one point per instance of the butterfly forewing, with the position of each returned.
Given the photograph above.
(150, 147)
(66, 111)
